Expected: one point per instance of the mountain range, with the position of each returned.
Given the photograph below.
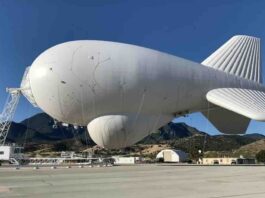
(41, 129)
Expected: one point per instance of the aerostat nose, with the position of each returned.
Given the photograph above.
(26, 88)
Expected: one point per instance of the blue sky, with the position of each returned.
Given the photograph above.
(189, 29)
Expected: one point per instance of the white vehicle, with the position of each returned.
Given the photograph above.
(123, 92)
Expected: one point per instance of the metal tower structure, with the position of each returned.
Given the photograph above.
(8, 112)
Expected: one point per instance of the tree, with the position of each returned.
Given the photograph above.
(261, 156)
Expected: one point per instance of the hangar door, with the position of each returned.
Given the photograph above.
(167, 156)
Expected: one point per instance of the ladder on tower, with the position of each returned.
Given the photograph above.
(8, 112)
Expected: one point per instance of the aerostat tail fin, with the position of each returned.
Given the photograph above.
(235, 108)
(239, 56)
(227, 121)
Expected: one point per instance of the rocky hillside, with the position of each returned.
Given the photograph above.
(41, 129)
(250, 150)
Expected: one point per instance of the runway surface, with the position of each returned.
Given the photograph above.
(142, 181)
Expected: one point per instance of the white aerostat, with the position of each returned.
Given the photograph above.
(124, 92)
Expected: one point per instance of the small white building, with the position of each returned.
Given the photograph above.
(220, 160)
(67, 154)
(227, 161)
(11, 154)
(172, 155)
(124, 160)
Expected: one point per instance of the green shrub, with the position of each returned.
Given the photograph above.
(261, 156)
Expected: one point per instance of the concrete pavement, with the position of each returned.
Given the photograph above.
(141, 181)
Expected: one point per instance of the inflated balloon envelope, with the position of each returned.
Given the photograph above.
(124, 92)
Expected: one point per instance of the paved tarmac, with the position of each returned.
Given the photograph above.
(141, 181)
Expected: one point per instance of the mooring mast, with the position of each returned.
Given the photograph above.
(8, 112)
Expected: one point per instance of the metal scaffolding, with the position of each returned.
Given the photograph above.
(8, 112)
